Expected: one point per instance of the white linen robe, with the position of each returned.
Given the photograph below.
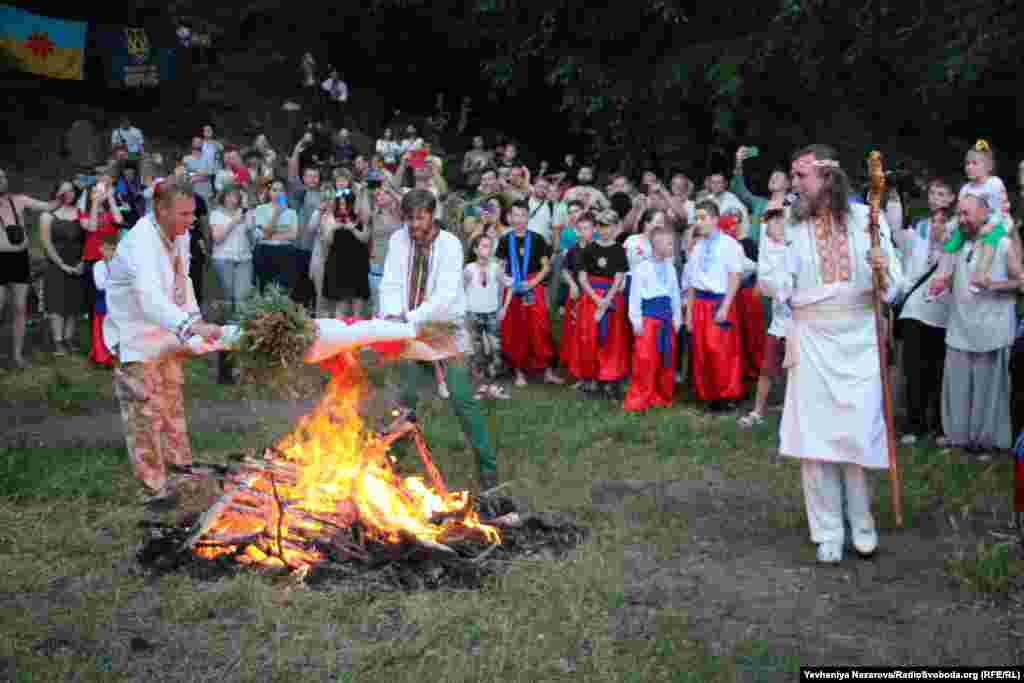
(833, 410)
(445, 298)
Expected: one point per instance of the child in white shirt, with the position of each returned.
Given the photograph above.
(99, 353)
(655, 313)
(485, 281)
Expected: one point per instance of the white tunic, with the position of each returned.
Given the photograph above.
(142, 316)
(781, 313)
(728, 258)
(647, 285)
(982, 321)
(445, 298)
(833, 410)
(638, 249)
(481, 299)
(918, 260)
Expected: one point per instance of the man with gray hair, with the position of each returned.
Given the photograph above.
(979, 335)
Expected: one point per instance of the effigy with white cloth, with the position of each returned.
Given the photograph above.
(335, 336)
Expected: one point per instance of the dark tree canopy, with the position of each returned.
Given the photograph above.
(644, 81)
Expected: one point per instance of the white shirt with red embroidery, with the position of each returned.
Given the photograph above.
(727, 258)
(638, 250)
(142, 318)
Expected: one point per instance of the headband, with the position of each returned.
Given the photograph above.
(817, 163)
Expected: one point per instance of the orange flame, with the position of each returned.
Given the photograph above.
(338, 473)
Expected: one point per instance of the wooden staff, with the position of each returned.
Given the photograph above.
(881, 282)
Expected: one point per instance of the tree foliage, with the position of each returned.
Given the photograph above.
(624, 72)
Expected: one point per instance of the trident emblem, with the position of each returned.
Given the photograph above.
(138, 44)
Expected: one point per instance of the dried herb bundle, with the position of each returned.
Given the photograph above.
(437, 334)
(276, 333)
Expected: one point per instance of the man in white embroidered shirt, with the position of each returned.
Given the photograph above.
(151, 314)
(422, 282)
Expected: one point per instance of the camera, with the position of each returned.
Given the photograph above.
(374, 180)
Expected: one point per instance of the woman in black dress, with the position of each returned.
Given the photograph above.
(63, 241)
(347, 270)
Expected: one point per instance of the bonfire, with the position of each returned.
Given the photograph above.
(329, 487)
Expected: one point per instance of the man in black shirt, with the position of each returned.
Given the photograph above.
(525, 327)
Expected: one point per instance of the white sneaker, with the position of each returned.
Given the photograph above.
(751, 419)
(830, 553)
(442, 391)
(865, 541)
(909, 439)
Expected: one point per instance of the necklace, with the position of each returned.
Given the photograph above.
(420, 259)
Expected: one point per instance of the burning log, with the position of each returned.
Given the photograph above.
(208, 518)
(233, 539)
(431, 546)
(329, 489)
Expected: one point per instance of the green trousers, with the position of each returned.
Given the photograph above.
(413, 375)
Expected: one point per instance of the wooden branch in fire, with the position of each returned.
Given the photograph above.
(253, 490)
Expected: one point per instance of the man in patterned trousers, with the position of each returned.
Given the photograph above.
(151, 314)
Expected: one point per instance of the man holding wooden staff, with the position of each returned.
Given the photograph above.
(833, 419)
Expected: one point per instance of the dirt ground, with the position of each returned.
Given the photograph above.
(30, 426)
(735, 578)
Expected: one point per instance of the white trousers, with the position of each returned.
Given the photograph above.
(823, 496)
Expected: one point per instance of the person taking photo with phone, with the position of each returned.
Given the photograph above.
(275, 228)
(778, 188)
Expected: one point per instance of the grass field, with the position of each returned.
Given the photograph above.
(73, 607)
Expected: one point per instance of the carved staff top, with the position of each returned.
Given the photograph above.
(875, 201)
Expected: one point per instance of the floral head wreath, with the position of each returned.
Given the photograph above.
(607, 217)
(982, 145)
(806, 165)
